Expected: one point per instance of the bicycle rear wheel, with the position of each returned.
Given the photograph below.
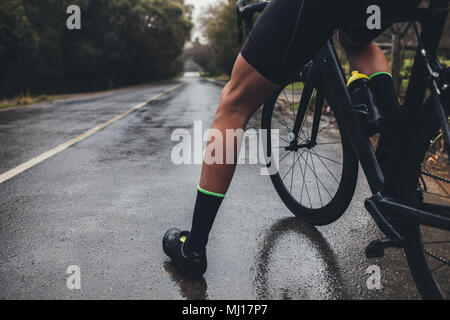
(423, 179)
(316, 181)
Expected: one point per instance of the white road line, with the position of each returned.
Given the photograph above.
(50, 153)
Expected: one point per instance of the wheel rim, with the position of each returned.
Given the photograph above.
(311, 173)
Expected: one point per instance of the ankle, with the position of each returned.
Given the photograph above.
(386, 98)
(189, 252)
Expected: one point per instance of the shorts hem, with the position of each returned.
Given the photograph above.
(261, 62)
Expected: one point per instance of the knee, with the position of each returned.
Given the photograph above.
(233, 104)
(225, 90)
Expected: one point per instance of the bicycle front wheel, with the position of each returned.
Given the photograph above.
(316, 177)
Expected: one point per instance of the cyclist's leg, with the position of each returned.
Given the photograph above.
(366, 57)
(277, 48)
(242, 96)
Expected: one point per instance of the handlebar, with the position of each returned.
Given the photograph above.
(255, 7)
(245, 13)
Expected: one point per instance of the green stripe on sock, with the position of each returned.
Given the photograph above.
(211, 193)
(378, 73)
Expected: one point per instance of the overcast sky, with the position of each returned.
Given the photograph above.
(198, 6)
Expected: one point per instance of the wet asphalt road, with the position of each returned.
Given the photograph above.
(105, 203)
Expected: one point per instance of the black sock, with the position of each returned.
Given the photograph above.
(206, 207)
(387, 102)
(385, 95)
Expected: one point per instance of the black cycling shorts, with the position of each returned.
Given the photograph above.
(290, 32)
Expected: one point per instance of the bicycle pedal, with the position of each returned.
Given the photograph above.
(376, 248)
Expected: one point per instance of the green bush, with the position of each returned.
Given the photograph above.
(121, 42)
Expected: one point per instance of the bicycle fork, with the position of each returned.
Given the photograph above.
(311, 83)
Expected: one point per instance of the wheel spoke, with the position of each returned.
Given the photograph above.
(282, 116)
(325, 166)
(304, 180)
(317, 183)
(307, 191)
(320, 156)
(326, 127)
(284, 141)
(319, 188)
(293, 169)
(442, 188)
(289, 103)
(289, 169)
(283, 123)
(320, 182)
(438, 267)
(435, 194)
(284, 157)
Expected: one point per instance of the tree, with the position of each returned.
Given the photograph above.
(221, 31)
(18, 46)
(120, 42)
(132, 41)
(203, 55)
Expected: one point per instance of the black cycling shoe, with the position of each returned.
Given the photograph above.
(190, 264)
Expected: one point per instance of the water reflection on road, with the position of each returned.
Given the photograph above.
(294, 261)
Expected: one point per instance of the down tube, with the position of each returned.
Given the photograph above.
(339, 95)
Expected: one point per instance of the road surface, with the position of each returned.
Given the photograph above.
(104, 202)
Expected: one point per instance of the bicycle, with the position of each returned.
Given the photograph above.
(403, 202)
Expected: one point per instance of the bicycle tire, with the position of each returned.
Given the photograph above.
(334, 209)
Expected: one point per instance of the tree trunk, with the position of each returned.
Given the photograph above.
(396, 54)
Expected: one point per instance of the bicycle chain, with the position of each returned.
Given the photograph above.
(437, 257)
(428, 174)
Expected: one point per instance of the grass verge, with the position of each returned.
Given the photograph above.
(24, 100)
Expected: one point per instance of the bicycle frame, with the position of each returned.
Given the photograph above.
(326, 73)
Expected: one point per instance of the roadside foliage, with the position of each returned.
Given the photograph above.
(121, 42)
